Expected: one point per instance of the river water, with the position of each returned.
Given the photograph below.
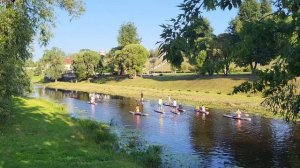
(191, 139)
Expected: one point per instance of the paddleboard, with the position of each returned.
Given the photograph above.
(233, 117)
(159, 111)
(175, 112)
(181, 110)
(200, 111)
(92, 103)
(170, 105)
(138, 113)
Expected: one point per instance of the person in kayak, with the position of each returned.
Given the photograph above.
(238, 114)
(160, 103)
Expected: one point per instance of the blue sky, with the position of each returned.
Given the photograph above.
(97, 28)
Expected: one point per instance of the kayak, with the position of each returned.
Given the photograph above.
(138, 113)
(200, 111)
(170, 105)
(233, 117)
(159, 111)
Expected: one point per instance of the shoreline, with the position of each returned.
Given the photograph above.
(218, 101)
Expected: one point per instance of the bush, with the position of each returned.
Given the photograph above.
(100, 133)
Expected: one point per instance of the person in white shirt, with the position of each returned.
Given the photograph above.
(203, 108)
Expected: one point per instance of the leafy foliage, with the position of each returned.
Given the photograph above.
(135, 57)
(53, 60)
(20, 21)
(262, 36)
(87, 63)
(257, 35)
(128, 35)
(129, 56)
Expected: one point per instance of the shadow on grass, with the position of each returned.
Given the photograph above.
(41, 134)
(108, 78)
(178, 77)
(203, 77)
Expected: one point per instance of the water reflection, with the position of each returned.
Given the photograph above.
(193, 139)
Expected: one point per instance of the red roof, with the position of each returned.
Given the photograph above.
(68, 60)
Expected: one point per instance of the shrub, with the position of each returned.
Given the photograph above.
(100, 133)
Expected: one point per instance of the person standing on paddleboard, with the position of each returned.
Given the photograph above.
(137, 109)
(169, 99)
(203, 108)
(160, 103)
(142, 96)
(238, 113)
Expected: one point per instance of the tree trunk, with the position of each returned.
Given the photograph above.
(55, 80)
(226, 70)
(122, 71)
(253, 67)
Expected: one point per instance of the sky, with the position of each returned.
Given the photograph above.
(97, 29)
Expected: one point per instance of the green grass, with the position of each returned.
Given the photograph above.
(213, 92)
(41, 134)
(36, 79)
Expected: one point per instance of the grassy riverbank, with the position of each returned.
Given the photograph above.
(214, 91)
(41, 134)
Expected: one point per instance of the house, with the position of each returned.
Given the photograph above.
(68, 63)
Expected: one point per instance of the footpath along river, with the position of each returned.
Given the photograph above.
(192, 139)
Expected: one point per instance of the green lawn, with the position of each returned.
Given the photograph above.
(36, 79)
(190, 89)
(41, 134)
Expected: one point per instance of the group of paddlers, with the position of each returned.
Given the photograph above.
(170, 103)
(94, 97)
(173, 104)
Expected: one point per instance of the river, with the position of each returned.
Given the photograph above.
(192, 139)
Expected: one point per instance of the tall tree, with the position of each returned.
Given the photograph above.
(86, 64)
(20, 21)
(128, 35)
(53, 60)
(225, 43)
(136, 56)
(253, 31)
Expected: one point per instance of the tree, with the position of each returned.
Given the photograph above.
(225, 43)
(86, 64)
(136, 56)
(38, 70)
(53, 60)
(276, 83)
(128, 35)
(115, 64)
(117, 57)
(20, 21)
(188, 41)
(253, 31)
